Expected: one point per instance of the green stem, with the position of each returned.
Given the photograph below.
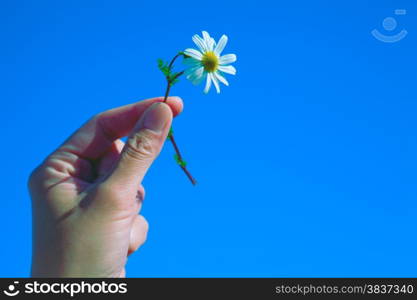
(170, 84)
(181, 162)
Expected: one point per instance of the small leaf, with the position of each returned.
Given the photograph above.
(164, 67)
(174, 78)
(170, 133)
(160, 64)
(179, 161)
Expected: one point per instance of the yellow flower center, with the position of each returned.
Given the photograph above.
(210, 61)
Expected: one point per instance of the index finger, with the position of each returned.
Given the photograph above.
(98, 134)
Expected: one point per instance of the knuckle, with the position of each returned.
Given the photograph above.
(102, 122)
(36, 177)
(99, 117)
(143, 145)
(94, 119)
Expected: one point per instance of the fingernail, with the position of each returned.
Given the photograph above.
(156, 117)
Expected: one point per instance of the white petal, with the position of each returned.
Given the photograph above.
(195, 74)
(227, 59)
(212, 44)
(192, 66)
(198, 80)
(193, 53)
(227, 69)
(200, 43)
(206, 36)
(220, 46)
(208, 84)
(209, 41)
(215, 82)
(221, 78)
(189, 71)
(191, 62)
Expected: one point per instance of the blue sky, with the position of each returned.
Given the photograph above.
(307, 163)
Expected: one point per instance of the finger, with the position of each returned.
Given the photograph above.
(138, 233)
(142, 147)
(109, 159)
(96, 136)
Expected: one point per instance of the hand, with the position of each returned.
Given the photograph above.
(87, 194)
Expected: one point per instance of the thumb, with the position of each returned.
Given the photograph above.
(143, 146)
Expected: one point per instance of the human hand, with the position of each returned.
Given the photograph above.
(87, 194)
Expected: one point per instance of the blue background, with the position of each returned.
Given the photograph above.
(307, 163)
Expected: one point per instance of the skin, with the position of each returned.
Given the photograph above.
(87, 194)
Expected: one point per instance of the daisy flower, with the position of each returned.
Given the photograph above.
(207, 62)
